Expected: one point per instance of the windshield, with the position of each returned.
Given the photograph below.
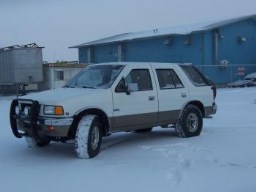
(96, 76)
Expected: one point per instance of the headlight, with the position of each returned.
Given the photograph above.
(53, 110)
(17, 110)
(26, 110)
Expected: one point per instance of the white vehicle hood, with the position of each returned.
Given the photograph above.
(60, 95)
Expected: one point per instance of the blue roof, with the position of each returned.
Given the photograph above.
(178, 30)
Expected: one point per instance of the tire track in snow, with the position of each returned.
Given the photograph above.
(181, 160)
(179, 163)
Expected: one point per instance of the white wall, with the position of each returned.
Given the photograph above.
(50, 81)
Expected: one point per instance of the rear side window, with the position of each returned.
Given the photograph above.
(168, 79)
(195, 75)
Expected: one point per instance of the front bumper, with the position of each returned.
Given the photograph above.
(35, 125)
(51, 127)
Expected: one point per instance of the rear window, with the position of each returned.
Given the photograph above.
(196, 77)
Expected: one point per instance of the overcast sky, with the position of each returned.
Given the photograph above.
(59, 24)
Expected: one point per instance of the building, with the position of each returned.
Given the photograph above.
(56, 75)
(22, 69)
(20, 65)
(223, 50)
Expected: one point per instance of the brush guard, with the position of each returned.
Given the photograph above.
(32, 117)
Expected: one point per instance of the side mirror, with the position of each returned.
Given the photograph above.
(132, 87)
(122, 87)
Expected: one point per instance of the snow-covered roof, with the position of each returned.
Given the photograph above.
(177, 30)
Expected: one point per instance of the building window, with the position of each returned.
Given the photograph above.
(59, 75)
(241, 39)
(187, 40)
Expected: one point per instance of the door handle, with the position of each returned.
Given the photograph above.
(183, 95)
(151, 98)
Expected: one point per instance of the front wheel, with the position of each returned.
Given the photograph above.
(88, 137)
(190, 123)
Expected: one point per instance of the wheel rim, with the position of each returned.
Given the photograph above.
(192, 122)
(95, 137)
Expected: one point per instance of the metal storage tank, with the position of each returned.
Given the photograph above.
(21, 64)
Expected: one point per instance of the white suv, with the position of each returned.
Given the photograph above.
(113, 97)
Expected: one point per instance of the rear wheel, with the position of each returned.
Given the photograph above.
(190, 123)
(88, 137)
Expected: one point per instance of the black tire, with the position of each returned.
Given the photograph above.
(190, 123)
(43, 142)
(147, 130)
(88, 137)
(31, 142)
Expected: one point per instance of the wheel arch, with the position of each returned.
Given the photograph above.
(92, 111)
(197, 104)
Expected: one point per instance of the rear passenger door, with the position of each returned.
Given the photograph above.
(139, 108)
(172, 93)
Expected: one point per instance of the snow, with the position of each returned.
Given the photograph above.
(222, 158)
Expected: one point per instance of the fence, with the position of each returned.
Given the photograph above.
(222, 74)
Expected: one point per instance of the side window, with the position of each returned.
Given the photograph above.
(195, 75)
(168, 79)
(140, 78)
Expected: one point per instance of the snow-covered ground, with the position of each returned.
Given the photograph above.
(222, 159)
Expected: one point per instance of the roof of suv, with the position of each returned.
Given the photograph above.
(137, 63)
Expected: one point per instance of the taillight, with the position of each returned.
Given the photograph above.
(214, 91)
